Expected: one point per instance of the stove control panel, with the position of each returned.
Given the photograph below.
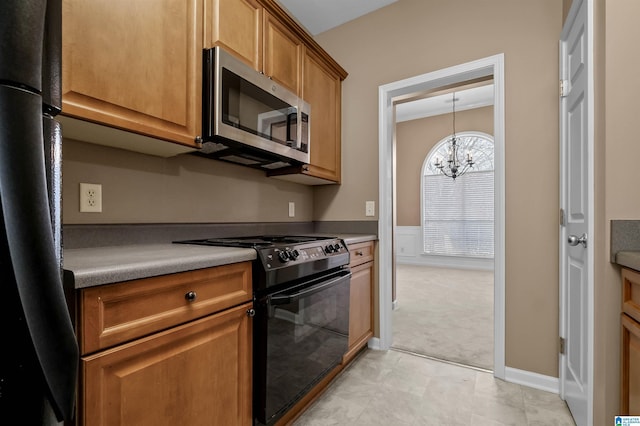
(276, 257)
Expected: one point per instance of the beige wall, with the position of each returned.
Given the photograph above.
(413, 37)
(139, 188)
(414, 140)
(617, 173)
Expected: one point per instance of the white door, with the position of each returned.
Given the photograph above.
(576, 245)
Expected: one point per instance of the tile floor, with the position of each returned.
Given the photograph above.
(397, 388)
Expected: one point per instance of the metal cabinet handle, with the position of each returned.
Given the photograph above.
(191, 296)
(251, 312)
(359, 253)
(574, 241)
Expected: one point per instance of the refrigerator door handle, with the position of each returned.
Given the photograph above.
(28, 247)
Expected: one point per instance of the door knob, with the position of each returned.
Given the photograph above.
(574, 241)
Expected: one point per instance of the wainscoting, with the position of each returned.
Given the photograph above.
(408, 242)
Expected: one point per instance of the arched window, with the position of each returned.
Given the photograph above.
(457, 215)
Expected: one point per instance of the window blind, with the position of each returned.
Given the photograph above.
(458, 215)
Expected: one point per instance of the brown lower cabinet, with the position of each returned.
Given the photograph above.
(195, 372)
(630, 320)
(360, 298)
(630, 366)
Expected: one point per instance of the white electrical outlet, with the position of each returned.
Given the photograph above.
(90, 198)
(370, 208)
(292, 209)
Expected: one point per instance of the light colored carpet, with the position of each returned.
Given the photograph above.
(445, 313)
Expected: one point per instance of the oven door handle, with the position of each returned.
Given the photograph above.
(285, 299)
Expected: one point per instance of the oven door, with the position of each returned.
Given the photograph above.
(301, 335)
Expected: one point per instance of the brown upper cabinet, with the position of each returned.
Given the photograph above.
(322, 88)
(135, 66)
(282, 54)
(236, 25)
(138, 67)
(249, 31)
(263, 36)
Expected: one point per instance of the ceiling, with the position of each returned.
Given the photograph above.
(321, 15)
(476, 97)
(317, 16)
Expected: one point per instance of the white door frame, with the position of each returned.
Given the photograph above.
(493, 65)
(577, 7)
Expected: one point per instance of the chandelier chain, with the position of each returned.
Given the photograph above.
(452, 167)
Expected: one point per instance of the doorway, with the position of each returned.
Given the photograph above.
(389, 94)
(444, 281)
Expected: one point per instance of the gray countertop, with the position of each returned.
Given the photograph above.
(87, 267)
(629, 259)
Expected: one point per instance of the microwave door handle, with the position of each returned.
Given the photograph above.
(302, 129)
(291, 298)
(290, 141)
(292, 119)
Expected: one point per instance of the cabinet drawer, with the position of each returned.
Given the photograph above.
(116, 313)
(631, 293)
(361, 253)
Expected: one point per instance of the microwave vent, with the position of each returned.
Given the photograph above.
(211, 147)
(274, 166)
(240, 160)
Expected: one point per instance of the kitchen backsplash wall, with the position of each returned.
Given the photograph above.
(139, 188)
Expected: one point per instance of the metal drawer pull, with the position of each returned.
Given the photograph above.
(190, 296)
(359, 253)
(251, 312)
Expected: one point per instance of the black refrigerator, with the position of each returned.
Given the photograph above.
(39, 362)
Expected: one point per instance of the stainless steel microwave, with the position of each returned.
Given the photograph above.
(248, 118)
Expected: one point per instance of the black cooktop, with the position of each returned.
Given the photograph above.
(255, 241)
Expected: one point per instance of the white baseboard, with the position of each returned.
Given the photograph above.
(512, 375)
(532, 380)
(374, 343)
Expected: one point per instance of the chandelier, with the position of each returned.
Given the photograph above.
(452, 167)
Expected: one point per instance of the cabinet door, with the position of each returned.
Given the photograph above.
(630, 383)
(282, 54)
(236, 25)
(322, 90)
(360, 308)
(134, 65)
(195, 374)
